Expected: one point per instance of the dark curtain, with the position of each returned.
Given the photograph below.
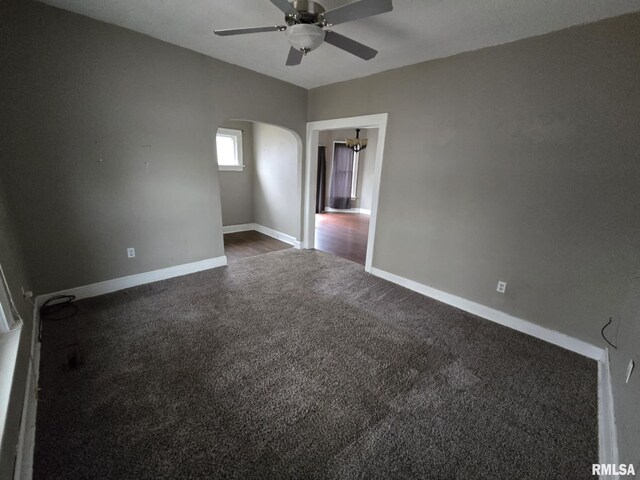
(321, 187)
(341, 175)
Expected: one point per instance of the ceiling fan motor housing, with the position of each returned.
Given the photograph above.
(308, 12)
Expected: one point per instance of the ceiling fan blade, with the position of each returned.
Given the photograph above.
(295, 57)
(286, 7)
(345, 43)
(356, 11)
(241, 31)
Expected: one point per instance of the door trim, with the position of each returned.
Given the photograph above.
(378, 121)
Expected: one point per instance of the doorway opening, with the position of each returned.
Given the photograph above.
(342, 187)
(343, 193)
(259, 171)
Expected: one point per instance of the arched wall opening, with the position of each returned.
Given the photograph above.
(260, 184)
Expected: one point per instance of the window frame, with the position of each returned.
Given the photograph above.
(236, 135)
(7, 318)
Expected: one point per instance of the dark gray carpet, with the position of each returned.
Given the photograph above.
(297, 364)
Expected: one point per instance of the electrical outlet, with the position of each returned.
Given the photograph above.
(131, 252)
(26, 294)
(630, 370)
(502, 286)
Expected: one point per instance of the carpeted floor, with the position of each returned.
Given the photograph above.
(297, 364)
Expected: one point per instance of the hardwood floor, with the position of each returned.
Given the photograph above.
(247, 244)
(343, 234)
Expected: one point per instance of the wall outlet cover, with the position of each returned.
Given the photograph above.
(131, 252)
(502, 286)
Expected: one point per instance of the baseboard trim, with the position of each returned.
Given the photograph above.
(121, 283)
(246, 227)
(607, 434)
(243, 227)
(364, 211)
(277, 235)
(27, 437)
(488, 313)
(607, 429)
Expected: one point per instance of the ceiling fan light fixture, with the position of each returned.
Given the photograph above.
(305, 37)
(305, 20)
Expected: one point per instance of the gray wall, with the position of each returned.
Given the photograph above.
(517, 163)
(106, 143)
(107, 138)
(366, 162)
(236, 188)
(626, 333)
(276, 198)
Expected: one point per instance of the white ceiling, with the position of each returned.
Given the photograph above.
(415, 31)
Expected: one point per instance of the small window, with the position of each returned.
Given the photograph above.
(229, 149)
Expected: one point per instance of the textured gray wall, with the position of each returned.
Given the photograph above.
(626, 333)
(517, 163)
(276, 195)
(236, 188)
(107, 142)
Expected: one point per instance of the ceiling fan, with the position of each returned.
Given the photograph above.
(305, 22)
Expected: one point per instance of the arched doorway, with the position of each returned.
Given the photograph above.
(260, 177)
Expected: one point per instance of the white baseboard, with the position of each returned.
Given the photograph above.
(246, 227)
(607, 430)
(607, 435)
(278, 235)
(524, 326)
(26, 442)
(121, 283)
(364, 211)
(27, 438)
(243, 227)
